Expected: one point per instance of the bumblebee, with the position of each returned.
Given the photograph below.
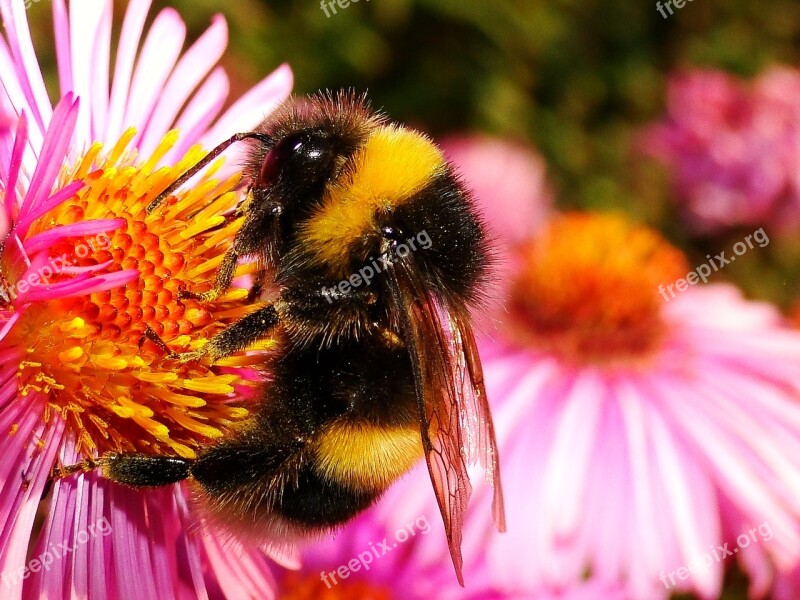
(377, 253)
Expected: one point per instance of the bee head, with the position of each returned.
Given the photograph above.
(397, 204)
(306, 144)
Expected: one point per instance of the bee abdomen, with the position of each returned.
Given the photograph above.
(367, 455)
(352, 463)
(317, 502)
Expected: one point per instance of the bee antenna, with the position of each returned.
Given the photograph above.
(203, 162)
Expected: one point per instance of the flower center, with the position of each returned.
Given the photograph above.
(93, 273)
(588, 289)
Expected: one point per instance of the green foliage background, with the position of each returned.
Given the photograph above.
(575, 78)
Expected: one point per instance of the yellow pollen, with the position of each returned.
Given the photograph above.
(588, 289)
(85, 352)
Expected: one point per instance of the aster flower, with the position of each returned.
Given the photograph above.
(732, 148)
(640, 434)
(84, 271)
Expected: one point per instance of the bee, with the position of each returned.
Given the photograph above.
(377, 253)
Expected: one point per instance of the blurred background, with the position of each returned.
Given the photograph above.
(575, 79)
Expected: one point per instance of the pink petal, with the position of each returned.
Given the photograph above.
(132, 28)
(61, 29)
(90, 41)
(56, 145)
(57, 198)
(251, 109)
(14, 92)
(187, 545)
(78, 286)
(237, 567)
(191, 69)
(201, 111)
(161, 49)
(569, 457)
(46, 239)
(11, 201)
(27, 66)
(18, 503)
(132, 558)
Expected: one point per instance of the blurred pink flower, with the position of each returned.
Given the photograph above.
(787, 585)
(73, 381)
(639, 433)
(509, 181)
(732, 147)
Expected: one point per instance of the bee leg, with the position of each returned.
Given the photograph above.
(221, 283)
(61, 471)
(135, 470)
(142, 470)
(243, 333)
(150, 334)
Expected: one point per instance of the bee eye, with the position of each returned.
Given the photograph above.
(391, 233)
(301, 154)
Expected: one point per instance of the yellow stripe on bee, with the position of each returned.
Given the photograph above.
(393, 165)
(366, 456)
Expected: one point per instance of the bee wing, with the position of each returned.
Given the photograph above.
(476, 415)
(455, 424)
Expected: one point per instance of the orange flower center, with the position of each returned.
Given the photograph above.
(296, 587)
(794, 315)
(83, 353)
(588, 289)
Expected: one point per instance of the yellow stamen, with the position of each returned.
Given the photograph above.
(84, 352)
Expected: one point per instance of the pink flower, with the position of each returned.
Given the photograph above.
(786, 585)
(84, 269)
(733, 148)
(639, 432)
